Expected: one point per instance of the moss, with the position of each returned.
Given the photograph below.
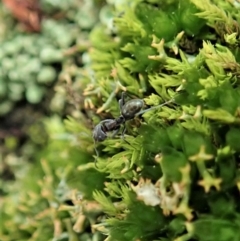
(176, 177)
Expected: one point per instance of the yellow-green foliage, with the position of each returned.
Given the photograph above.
(177, 176)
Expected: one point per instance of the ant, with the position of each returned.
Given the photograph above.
(128, 110)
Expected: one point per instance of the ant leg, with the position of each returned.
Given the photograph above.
(122, 101)
(97, 154)
(115, 132)
(123, 132)
(154, 107)
(122, 135)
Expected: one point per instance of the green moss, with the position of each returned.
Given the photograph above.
(177, 176)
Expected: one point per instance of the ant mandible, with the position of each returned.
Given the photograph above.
(128, 111)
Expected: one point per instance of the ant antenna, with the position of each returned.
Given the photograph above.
(154, 107)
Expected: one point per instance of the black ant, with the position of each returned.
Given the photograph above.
(128, 110)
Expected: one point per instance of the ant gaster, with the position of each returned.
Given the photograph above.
(128, 111)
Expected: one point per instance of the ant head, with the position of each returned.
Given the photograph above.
(98, 133)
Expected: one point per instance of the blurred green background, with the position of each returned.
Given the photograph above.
(63, 67)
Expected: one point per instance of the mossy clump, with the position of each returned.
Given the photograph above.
(31, 62)
(176, 177)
